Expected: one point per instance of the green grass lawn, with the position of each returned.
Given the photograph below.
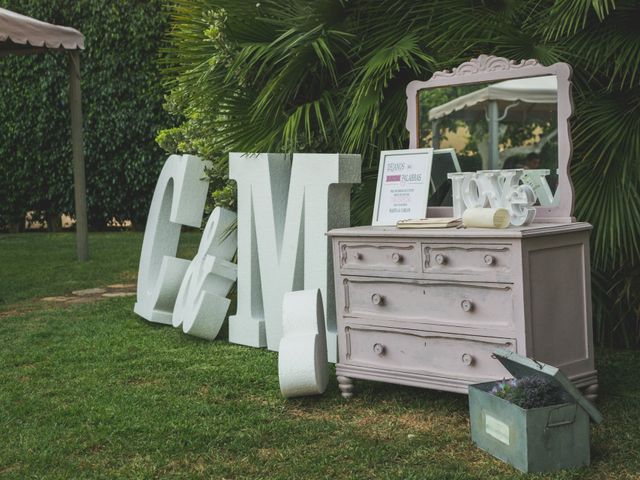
(93, 391)
(41, 264)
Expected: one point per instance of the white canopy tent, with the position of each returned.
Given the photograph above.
(526, 90)
(22, 35)
(524, 95)
(29, 34)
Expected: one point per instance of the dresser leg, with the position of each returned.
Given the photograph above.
(346, 386)
(591, 392)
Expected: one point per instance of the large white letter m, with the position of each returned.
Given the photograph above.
(284, 211)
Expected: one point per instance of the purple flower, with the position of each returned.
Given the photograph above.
(503, 389)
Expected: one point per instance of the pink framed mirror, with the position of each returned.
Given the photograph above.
(491, 113)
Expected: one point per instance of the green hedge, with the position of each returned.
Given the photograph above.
(122, 106)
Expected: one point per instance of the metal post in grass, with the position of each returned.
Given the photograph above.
(79, 184)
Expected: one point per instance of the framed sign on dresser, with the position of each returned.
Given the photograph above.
(427, 307)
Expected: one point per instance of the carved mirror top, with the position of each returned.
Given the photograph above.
(495, 113)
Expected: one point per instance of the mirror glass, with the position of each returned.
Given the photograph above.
(491, 126)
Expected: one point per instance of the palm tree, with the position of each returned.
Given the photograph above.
(330, 75)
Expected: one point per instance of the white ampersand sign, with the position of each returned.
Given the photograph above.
(202, 303)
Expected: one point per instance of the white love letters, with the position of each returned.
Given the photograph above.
(495, 189)
(537, 180)
(284, 210)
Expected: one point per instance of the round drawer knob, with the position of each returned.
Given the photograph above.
(377, 299)
(379, 349)
(441, 259)
(467, 359)
(396, 257)
(467, 305)
(489, 259)
(357, 256)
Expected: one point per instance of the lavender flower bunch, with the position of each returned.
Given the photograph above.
(504, 388)
(530, 392)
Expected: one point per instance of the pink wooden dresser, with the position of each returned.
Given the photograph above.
(428, 307)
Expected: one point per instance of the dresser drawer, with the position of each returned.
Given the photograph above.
(426, 352)
(380, 256)
(469, 304)
(483, 262)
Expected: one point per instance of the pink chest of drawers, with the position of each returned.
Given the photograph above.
(428, 307)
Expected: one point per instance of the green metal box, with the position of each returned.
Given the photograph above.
(541, 439)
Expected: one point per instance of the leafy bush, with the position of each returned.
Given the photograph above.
(330, 75)
(122, 99)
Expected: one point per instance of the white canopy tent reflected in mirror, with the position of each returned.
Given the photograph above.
(523, 100)
(496, 102)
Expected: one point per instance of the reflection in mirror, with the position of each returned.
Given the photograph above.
(500, 125)
(444, 161)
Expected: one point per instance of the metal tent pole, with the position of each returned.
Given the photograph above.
(435, 131)
(79, 184)
(494, 154)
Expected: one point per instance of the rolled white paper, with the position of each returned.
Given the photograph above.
(486, 217)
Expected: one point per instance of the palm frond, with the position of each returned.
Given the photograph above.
(567, 17)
